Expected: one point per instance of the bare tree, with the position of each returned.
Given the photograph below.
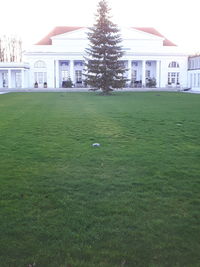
(2, 49)
(10, 49)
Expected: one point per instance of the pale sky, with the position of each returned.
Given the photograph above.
(178, 20)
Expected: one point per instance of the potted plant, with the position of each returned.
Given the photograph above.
(36, 84)
(45, 84)
(67, 84)
(151, 82)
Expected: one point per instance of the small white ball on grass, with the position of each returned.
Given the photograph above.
(96, 144)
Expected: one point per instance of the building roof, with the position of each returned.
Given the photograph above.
(153, 31)
(56, 31)
(194, 56)
(63, 29)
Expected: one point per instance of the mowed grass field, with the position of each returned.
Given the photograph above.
(133, 201)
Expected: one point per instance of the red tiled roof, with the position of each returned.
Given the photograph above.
(153, 31)
(63, 29)
(56, 31)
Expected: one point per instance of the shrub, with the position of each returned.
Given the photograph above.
(151, 82)
(67, 84)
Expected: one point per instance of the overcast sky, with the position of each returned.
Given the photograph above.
(178, 20)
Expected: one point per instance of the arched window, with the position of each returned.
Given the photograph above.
(173, 64)
(40, 64)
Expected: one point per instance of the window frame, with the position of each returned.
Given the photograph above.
(173, 64)
(40, 64)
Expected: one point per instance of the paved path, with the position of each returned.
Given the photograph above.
(3, 91)
(193, 91)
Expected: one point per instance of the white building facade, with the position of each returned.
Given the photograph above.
(194, 72)
(14, 75)
(61, 55)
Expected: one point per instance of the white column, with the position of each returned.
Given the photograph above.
(71, 70)
(23, 79)
(9, 79)
(57, 74)
(85, 71)
(1, 80)
(129, 71)
(157, 73)
(143, 73)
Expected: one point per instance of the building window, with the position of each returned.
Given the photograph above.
(198, 79)
(148, 63)
(177, 78)
(173, 78)
(5, 79)
(198, 66)
(169, 80)
(18, 79)
(148, 74)
(64, 75)
(192, 64)
(134, 75)
(123, 63)
(78, 76)
(40, 77)
(173, 64)
(134, 63)
(63, 64)
(191, 80)
(189, 64)
(196, 63)
(194, 79)
(78, 63)
(40, 64)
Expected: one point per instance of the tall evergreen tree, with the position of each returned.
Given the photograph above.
(104, 69)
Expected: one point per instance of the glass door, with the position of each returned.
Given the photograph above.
(5, 79)
(18, 79)
(173, 78)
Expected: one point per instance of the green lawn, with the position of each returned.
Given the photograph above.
(133, 201)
